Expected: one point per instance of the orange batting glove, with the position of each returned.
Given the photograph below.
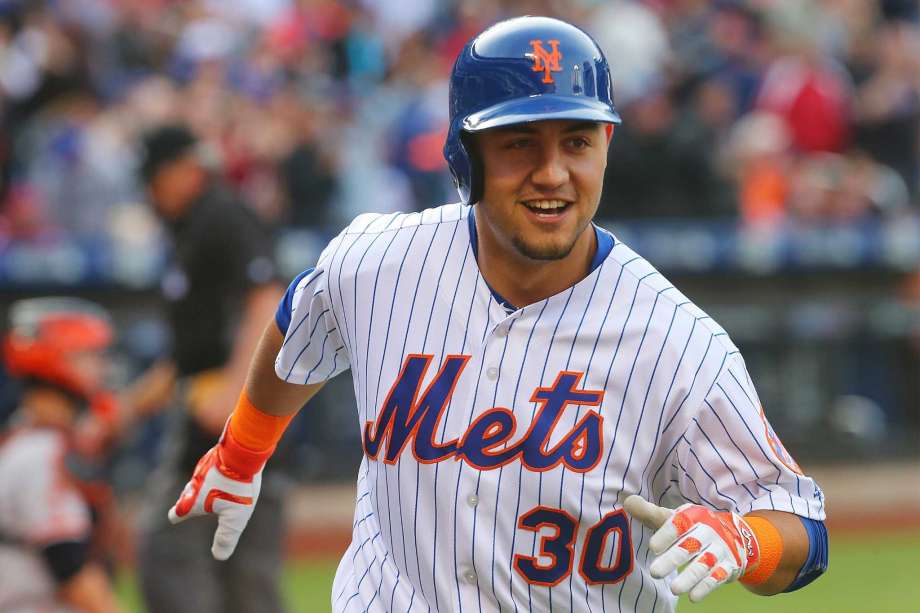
(226, 482)
(714, 547)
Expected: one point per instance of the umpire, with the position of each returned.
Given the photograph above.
(220, 290)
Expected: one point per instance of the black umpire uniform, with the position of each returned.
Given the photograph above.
(221, 251)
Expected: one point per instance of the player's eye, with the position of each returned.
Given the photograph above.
(579, 142)
(519, 143)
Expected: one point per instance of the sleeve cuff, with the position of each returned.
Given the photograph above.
(286, 306)
(816, 562)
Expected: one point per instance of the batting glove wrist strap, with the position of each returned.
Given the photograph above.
(253, 428)
(770, 543)
(238, 462)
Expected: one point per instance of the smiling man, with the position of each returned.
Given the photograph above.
(526, 384)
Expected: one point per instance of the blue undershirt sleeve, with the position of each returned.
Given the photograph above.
(286, 306)
(816, 562)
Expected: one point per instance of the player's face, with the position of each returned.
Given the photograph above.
(92, 367)
(175, 185)
(542, 184)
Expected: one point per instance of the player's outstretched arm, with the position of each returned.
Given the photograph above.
(227, 479)
(766, 550)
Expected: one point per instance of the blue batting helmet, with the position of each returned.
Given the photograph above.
(522, 70)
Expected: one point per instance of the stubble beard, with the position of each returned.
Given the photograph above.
(547, 253)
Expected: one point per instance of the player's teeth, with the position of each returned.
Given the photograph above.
(546, 204)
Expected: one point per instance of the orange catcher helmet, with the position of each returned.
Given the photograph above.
(45, 332)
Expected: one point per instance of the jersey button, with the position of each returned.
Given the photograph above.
(472, 500)
(492, 373)
(469, 576)
(501, 331)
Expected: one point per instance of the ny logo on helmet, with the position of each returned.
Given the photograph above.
(545, 61)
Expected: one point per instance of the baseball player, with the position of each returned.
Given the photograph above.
(46, 525)
(547, 423)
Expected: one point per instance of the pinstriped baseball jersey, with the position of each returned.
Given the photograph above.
(499, 443)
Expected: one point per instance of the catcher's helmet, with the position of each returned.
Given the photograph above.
(44, 332)
(522, 70)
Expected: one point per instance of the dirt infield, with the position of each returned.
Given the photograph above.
(874, 498)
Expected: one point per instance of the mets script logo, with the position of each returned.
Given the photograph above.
(409, 415)
(545, 61)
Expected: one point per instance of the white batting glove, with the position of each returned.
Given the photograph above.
(226, 482)
(714, 547)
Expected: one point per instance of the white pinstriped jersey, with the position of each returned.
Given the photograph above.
(499, 444)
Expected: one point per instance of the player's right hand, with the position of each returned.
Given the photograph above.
(226, 482)
(712, 547)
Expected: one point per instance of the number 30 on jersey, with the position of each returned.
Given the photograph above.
(560, 548)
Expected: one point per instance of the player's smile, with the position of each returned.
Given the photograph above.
(547, 210)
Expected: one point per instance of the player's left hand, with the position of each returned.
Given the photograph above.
(226, 483)
(714, 547)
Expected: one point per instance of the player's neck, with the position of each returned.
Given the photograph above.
(521, 280)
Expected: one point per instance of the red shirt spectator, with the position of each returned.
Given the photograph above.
(812, 99)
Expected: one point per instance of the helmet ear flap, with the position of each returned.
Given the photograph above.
(477, 178)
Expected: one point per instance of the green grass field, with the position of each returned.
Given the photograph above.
(866, 574)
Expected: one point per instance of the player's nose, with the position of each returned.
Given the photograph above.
(550, 171)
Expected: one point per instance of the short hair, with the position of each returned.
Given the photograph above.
(163, 145)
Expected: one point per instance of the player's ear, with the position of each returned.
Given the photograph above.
(608, 128)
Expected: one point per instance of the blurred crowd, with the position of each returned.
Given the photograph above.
(316, 110)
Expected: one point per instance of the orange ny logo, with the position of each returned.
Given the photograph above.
(545, 61)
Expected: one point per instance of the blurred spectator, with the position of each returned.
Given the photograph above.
(887, 102)
(908, 10)
(808, 90)
(722, 41)
(397, 24)
(714, 103)
(829, 187)
(221, 289)
(308, 173)
(471, 18)
(758, 154)
(417, 133)
(660, 164)
(78, 165)
(635, 43)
